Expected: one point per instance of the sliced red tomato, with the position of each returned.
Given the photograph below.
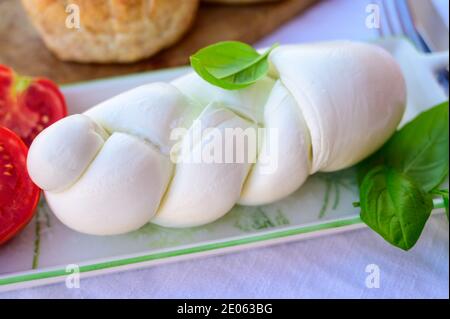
(28, 105)
(18, 194)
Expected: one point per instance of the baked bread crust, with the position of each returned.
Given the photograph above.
(111, 30)
(238, 1)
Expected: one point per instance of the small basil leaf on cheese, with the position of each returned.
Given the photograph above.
(231, 65)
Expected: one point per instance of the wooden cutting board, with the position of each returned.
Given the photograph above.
(22, 49)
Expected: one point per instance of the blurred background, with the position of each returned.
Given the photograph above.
(36, 35)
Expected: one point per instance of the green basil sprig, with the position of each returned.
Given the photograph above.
(231, 65)
(398, 182)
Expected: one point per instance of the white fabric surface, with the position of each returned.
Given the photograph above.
(326, 267)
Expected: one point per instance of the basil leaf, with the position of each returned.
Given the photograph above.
(420, 149)
(394, 206)
(230, 65)
(226, 58)
(198, 67)
(364, 167)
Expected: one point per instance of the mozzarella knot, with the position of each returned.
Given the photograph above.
(118, 166)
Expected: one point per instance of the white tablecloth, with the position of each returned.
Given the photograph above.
(326, 267)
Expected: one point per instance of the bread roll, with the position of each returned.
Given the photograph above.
(110, 31)
(239, 1)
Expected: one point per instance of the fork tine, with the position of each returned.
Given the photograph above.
(408, 24)
(387, 20)
(383, 32)
(396, 19)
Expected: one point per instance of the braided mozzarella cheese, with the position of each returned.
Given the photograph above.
(111, 170)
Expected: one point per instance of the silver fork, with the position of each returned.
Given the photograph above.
(397, 21)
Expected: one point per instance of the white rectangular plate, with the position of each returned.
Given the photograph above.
(41, 253)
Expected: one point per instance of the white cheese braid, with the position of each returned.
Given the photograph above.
(112, 169)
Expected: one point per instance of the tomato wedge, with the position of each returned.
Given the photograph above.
(28, 105)
(18, 194)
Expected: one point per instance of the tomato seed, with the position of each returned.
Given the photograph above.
(45, 119)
